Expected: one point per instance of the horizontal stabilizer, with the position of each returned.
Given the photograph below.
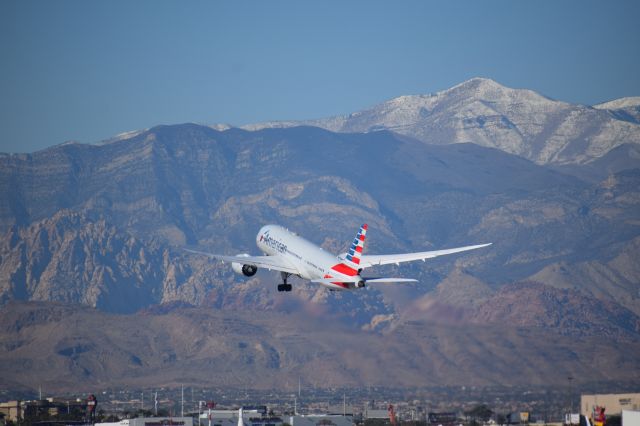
(389, 280)
(334, 284)
(338, 281)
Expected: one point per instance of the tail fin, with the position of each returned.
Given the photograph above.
(357, 246)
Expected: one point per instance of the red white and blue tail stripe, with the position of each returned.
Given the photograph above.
(350, 264)
(357, 246)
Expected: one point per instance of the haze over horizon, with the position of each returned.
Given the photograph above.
(86, 72)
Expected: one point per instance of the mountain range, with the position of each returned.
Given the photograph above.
(518, 121)
(93, 234)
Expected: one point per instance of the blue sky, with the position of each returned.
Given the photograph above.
(85, 70)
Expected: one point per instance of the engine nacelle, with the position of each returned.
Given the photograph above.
(246, 270)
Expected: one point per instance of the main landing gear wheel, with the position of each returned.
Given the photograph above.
(284, 286)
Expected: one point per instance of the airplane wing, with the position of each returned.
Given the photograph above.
(275, 263)
(386, 259)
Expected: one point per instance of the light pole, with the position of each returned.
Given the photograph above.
(570, 379)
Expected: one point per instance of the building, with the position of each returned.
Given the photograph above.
(152, 421)
(321, 420)
(376, 414)
(251, 416)
(613, 403)
(630, 418)
(17, 410)
(444, 419)
(12, 410)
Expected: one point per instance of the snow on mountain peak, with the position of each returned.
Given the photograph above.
(629, 102)
(220, 126)
(122, 136)
(478, 83)
(482, 111)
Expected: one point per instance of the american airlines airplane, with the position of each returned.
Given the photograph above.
(291, 254)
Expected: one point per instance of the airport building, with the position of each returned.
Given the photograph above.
(630, 418)
(250, 416)
(321, 420)
(152, 421)
(258, 417)
(12, 410)
(16, 411)
(614, 404)
(376, 414)
(247, 421)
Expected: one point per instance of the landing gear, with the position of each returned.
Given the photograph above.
(284, 286)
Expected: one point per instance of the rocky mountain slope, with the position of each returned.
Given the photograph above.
(103, 226)
(69, 258)
(139, 200)
(77, 348)
(517, 121)
(193, 185)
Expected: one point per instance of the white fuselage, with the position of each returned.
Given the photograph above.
(311, 260)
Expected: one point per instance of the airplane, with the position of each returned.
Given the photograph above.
(293, 255)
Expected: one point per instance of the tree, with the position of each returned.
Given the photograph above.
(479, 412)
(144, 413)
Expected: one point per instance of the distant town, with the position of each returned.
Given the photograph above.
(446, 406)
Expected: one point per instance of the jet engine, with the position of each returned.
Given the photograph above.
(246, 270)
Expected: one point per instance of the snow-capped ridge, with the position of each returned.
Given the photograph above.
(621, 103)
(271, 125)
(484, 112)
(221, 127)
(476, 83)
(122, 136)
